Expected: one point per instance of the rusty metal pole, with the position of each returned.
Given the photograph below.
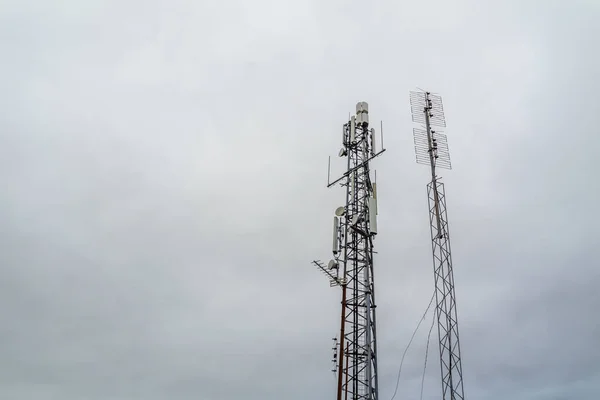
(342, 350)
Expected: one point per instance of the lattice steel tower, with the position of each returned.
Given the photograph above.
(354, 228)
(431, 148)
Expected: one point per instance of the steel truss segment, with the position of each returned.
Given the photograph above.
(449, 344)
(360, 369)
(353, 252)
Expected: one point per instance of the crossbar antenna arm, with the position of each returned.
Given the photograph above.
(431, 148)
(351, 269)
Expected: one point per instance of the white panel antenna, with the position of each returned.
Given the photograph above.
(336, 227)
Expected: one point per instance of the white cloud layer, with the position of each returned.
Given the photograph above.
(163, 168)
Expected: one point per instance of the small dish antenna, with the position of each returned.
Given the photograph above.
(332, 265)
(342, 152)
(340, 211)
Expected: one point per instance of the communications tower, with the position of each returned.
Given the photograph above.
(351, 269)
(431, 148)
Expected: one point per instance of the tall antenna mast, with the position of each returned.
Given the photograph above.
(354, 228)
(431, 148)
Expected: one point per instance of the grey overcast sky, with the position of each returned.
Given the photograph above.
(163, 168)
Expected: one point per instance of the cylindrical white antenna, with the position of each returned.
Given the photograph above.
(375, 196)
(335, 244)
(362, 113)
(362, 106)
(352, 182)
(373, 215)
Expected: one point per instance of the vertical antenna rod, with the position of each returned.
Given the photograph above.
(431, 149)
(355, 226)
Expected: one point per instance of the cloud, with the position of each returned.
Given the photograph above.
(163, 169)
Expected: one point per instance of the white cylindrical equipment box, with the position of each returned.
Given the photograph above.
(362, 113)
(362, 118)
(362, 106)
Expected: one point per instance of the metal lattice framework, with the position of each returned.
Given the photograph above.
(431, 148)
(355, 226)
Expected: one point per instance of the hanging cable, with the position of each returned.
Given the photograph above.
(426, 354)
(409, 343)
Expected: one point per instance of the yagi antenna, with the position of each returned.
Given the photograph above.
(334, 279)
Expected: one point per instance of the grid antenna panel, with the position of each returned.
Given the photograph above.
(419, 103)
(439, 148)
